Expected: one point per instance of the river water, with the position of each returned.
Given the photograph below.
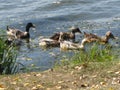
(51, 16)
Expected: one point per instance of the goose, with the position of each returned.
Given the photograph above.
(67, 35)
(67, 45)
(18, 34)
(89, 37)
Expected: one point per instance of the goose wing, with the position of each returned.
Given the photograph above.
(13, 31)
(47, 40)
(69, 45)
(19, 32)
(55, 36)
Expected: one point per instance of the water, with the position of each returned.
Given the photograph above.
(51, 16)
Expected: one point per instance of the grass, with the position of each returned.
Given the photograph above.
(8, 57)
(96, 53)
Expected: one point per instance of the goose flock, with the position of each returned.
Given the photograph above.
(64, 40)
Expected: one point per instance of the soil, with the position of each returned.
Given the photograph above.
(64, 78)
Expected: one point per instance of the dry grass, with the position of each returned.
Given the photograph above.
(92, 76)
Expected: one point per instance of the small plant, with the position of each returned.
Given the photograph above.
(96, 53)
(92, 54)
(8, 56)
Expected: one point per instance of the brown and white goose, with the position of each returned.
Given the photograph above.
(67, 45)
(89, 37)
(67, 35)
(18, 34)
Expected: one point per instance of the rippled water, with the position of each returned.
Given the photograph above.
(57, 15)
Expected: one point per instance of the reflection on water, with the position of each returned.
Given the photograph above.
(57, 15)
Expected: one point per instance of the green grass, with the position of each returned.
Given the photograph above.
(8, 57)
(93, 54)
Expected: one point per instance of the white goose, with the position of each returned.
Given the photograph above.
(67, 45)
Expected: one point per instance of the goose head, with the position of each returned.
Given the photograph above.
(75, 30)
(110, 35)
(29, 25)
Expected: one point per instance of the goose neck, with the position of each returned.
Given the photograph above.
(27, 28)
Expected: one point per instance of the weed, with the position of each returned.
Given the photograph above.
(8, 57)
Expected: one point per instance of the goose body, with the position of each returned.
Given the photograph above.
(67, 35)
(18, 34)
(49, 43)
(67, 45)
